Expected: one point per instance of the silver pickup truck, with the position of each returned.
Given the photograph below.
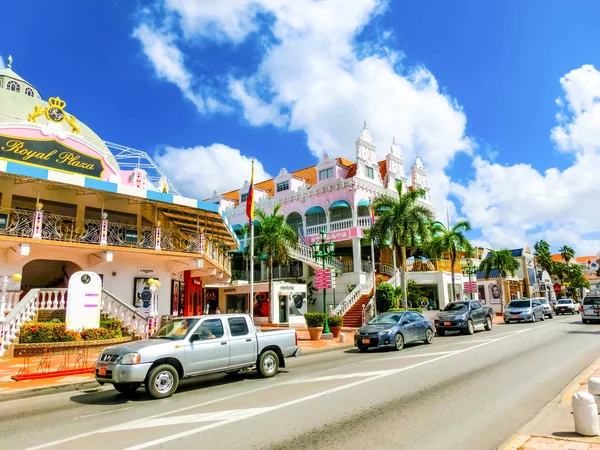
(191, 346)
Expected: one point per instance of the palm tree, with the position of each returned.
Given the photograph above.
(567, 253)
(273, 238)
(404, 222)
(541, 251)
(450, 240)
(504, 263)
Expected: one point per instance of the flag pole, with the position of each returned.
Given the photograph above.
(251, 223)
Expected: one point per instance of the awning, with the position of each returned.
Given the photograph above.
(364, 202)
(315, 210)
(238, 227)
(340, 204)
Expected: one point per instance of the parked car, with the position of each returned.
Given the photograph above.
(394, 330)
(464, 317)
(525, 310)
(548, 307)
(566, 305)
(193, 346)
(591, 309)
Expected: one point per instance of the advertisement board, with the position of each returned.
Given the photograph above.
(83, 301)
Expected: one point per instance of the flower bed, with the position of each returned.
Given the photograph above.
(65, 348)
(48, 332)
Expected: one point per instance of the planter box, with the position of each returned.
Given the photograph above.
(64, 348)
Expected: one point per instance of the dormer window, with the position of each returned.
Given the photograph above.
(243, 198)
(29, 91)
(13, 86)
(283, 186)
(325, 173)
(369, 172)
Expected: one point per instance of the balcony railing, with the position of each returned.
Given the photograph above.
(338, 225)
(54, 227)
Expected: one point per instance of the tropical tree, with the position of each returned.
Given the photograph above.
(567, 253)
(404, 222)
(273, 237)
(503, 261)
(450, 240)
(541, 251)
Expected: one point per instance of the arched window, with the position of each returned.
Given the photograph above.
(315, 216)
(340, 210)
(294, 220)
(29, 91)
(13, 86)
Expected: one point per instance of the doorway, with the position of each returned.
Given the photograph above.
(283, 308)
(47, 273)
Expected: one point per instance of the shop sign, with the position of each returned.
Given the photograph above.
(3, 221)
(336, 236)
(146, 271)
(131, 236)
(49, 154)
(83, 307)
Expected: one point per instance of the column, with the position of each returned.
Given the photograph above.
(263, 270)
(356, 254)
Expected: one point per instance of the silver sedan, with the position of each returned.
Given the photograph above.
(525, 310)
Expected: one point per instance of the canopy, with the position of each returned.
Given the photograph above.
(238, 227)
(315, 210)
(340, 204)
(364, 202)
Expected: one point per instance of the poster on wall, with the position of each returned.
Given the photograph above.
(262, 305)
(297, 304)
(494, 293)
(175, 297)
(142, 294)
(481, 291)
(181, 297)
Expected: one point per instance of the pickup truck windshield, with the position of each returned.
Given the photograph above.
(176, 329)
(456, 307)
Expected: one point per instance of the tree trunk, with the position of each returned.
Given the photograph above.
(271, 312)
(402, 277)
(502, 295)
(453, 299)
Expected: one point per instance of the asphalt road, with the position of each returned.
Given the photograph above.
(461, 392)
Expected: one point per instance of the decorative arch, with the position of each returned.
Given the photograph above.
(340, 210)
(315, 215)
(13, 86)
(295, 220)
(363, 208)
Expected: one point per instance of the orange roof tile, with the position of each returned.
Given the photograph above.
(582, 259)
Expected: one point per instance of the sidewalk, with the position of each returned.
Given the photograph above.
(11, 366)
(553, 427)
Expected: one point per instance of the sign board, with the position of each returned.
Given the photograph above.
(146, 271)
(3, 221)
(131, 236)
(323, 279)
(83, 301)
(336, 236)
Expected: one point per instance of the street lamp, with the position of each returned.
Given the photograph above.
(324, 250)
(469, 269)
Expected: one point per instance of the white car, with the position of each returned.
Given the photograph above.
(566, 305)
(548, 308)
(591, 309)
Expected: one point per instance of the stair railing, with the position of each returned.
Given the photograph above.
(353, 296)
(368, 310)
(131, 318)
(23, 312)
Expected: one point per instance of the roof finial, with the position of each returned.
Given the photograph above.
(10, 60)
(365, 124)
(394, 140)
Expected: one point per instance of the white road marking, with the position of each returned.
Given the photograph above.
(419, 355)
(342, 376)
(282, 405)
(106, 412)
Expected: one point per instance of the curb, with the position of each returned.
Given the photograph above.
(93, 385)
(564, 397)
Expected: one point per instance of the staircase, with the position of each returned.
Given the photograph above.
(354, 316)
(305, 254)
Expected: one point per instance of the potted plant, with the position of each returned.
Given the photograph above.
(315, 322)
(335, 325)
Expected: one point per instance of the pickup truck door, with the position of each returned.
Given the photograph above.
(211, 350)
(477, 313)
(242, 343)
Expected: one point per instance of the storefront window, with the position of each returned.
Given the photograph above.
(236, 303)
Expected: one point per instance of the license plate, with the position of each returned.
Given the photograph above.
(366, 341)
(447, 324)
(515, 317)
(102, 371)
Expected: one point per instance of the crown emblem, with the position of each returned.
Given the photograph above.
(54, 112)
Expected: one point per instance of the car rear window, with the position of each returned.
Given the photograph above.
(591, 301)
(564, 302)
(520, 304)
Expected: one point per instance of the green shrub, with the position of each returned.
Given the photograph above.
(384, 297)
(336, 321)
(42, 332)
(419, 310)
(114, 325)
(97, 334)
(315, 319)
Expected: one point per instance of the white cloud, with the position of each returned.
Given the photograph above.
(315, 78)
(199, 171)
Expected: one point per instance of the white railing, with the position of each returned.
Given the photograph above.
(364, 222)
(53, 299)
(315, 229)
(340, 224)
(132, 320)
(368, 310)
(305, 254)
(11, 324)
(386, 269)
(353, 296)
(12, 299)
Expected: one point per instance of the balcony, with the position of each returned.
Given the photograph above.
(19, 223)
(338, 225)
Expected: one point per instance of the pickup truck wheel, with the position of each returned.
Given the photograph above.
(470, 328)
(127, 388)
(268, 364)
(488, 324)
(429, 337)
(162, 381)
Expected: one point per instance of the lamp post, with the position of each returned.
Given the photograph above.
(469, 269)
(321, 251)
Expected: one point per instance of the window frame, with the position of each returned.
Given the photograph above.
(328, 172)
(370, 172)
(243, 198)
(28, 90)
(283, 186)
(231, 328)
(15, 83)
(203, 324)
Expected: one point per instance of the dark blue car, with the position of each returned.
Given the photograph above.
(394, 329)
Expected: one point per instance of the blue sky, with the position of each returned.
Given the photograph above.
(472, 85)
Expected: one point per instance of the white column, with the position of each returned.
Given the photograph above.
(263, 270)
(356, 254)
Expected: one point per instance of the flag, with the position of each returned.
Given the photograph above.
(250, 198)
(372, 213)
